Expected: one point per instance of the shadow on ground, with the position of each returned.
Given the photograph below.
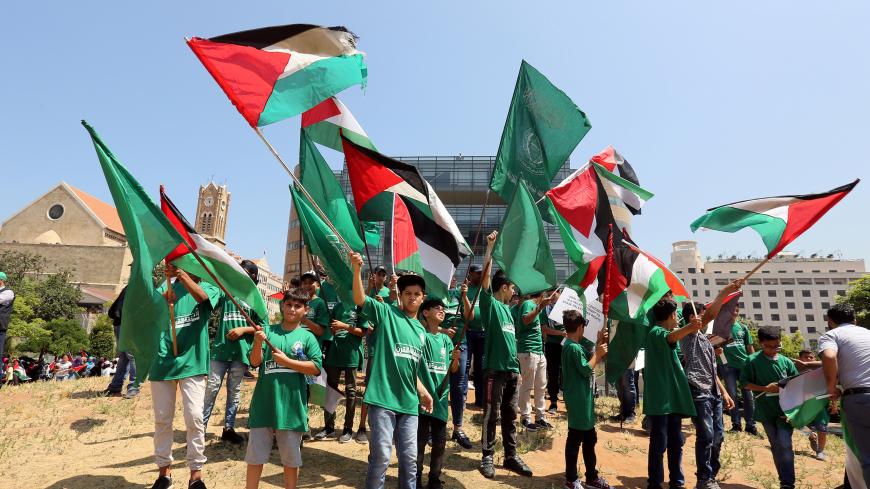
(93, 482)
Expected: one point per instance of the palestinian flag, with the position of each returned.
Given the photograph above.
(405, 252)
(613, 162)
(779, 220)
(375, 177)
(273, 73)
(329, 120)
(804, 397)
(227, 270)
(582, 207)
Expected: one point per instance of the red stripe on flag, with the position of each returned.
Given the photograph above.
(247, 75)
(606, 159)
(320, 112)
(367, 176)
(674, 283)
(404, 238)
(803, 214)
(577, 200)
(177, 222)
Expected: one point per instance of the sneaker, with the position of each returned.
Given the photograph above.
(516, 464)
(530, 427)
(707, 484)
(821, 456)
(306, 436)
(429, 440)
(162, 482)
(361, 437)
(630, 420)
(645, 423)
(573, 485)
(346, 436)
(462, 439)
(131, 394)
(230, 435)
(752, 430)
(197, 484)
(471, 386)
(736, 429)
(814, 442)
(324, 434)
(552, 411)
(108, 393)
(543, 424)
(599, 483)
(486, 468)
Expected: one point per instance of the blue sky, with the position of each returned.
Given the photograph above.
(711, 103)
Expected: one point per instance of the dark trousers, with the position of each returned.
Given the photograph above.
(553, 354)
(475, 340)
(587, 438)
(665, 434)
(333, 376)
(501, 405)
(626, 391)
(459, 387)
(709, 434)
(428, 425)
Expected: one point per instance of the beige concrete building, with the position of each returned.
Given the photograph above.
(790, 291)
(73, 229)
(212, 211)
(269, 283)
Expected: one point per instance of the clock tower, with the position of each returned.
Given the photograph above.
(211, 213)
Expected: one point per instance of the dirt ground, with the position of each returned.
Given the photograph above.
(63, 435)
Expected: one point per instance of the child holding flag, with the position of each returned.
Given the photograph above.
(279, 406)
(579, 359)
(763, 373)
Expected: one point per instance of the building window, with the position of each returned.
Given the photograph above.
(756, 305)
(811, 329)
(758, 317)
(808, 305)
(810, 317)
(771, 293)
(721, 281)
(838, 281)
(706, 293)
(817, 271)
(841, 292)
(789, 305)
(823, 293)
(770, 281)
(740, 304)
(774, 305)
(774, 317)
(798, 271)
(55, 212)
(804, 281)
(826, 305)
(806, 293)
(793, 329)
(755, 293)
(706, 281)
(792, 318)
(694, 281)
(786, 281)
(821, 281)
(789, 293)
(754, 281)
(691, 270)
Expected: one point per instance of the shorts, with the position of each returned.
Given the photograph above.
(260, 446)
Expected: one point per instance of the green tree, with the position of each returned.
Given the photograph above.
(58, 298)
(792, 344)
(30, 337)
(18, 265)
(858, 296)
(102, 338)
(66, 336)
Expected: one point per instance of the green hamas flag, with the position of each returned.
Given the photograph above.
(324, 244)
(543, 127)
(318, 179)
(151, 237)
(522, 249)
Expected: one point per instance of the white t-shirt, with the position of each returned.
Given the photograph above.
(851, 343)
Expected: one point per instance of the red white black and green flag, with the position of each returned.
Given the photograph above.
(273, 73)
(614, 162)
(778, 220)
(327, 121)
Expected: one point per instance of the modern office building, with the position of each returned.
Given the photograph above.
(791, 292)
(462, 183)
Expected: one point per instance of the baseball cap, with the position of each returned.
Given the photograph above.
(474, 269)
(3, 276)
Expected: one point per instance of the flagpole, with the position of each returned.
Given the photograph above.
(752, 272)
(366, 245)
(170, 298)
(300, 186)
(477, 233)
(227, 293)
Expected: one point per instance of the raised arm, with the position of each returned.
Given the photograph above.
(192, 287)
(487, 261)
(693, 327)
(359, 293)
(713, 311)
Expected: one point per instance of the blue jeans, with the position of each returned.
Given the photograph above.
(709, 433)
(730, 377)
(665, 434)
(855, 407)
(459, 387)
(235, 373)
(475, 363)
(626, 392)
(779, 436)
(386, 425)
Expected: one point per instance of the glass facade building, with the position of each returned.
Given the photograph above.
(462, 183)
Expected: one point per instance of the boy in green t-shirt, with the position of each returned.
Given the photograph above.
(438, 353)
(666, 396)
(736, 353)
(502, 368)
(394, 392)
(186, 371)
(763, 373)
(533, 364)
(579, 359)
(279, 405)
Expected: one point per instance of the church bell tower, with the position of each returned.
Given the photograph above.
(211, 213)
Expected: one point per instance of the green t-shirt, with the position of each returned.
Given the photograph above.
(666, 388)
(578, 392)
(191, 335)
(328, 293)
(529, 339)
(476, 324)
(396, 344)
(545, 320)
(346, 348)
(280, 399)
(735, 351)
(318, 312)
(224, 349)
(384, 293)
(432, 371)
(762, 370)
(500, 341)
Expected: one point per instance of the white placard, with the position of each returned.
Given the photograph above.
(568, 300)
(640, 360)
(594, 320)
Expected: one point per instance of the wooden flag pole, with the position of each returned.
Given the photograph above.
(757, 267)
(301, 187)
(170, 298)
